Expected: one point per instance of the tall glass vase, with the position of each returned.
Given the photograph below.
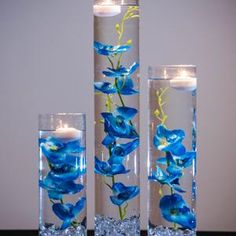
(116, 57)
(172, 150)
(62, 174)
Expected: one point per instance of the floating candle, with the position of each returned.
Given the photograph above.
(67, 133)
(106, 8)
(183, 82)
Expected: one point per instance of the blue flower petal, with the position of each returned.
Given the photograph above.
(54, 195)
(66, 212)
(133, 68)
(175, 210)
(168, 140)
(127, 112)
(126, 86)
(109, 50)
(116, 201)
(107, 169)
(59, 154)
(185, 160)
(171, 180)
(175, 170)
(121, 71)
(60, 187)
(66, 223)
(63, 211)
(79, 206)
(104, 87)
(66, 174)
(123, 193)
(122, 150)
(108, 140)
(118, 126)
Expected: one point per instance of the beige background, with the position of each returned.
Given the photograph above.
(46, 65)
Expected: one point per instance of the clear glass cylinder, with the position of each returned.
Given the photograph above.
(116, 84)
(172, 150)
(62, 174)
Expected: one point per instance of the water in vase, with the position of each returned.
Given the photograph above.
(172, 156)
(117, 121)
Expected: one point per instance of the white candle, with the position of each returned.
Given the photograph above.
(106, 8)
(67, 133)
(183, 82)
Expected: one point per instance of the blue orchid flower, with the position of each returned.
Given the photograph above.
(126, 86)
(171, 180)
(182, 161)
(118, 124)
(169, 140)
(66, 173)
(174, 209)
(67, 212)
(121, 71)
(59, 153)
(56, 189)
(120, 151)
(123, 193)
(185, 160)
(109, 169)
(109, 50)
(104, 87)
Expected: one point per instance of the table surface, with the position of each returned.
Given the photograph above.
(90, 233)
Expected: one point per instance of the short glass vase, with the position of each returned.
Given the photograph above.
(62, 174)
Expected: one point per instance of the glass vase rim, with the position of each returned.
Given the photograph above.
(119, 2)
(168, 72)
(62, 114)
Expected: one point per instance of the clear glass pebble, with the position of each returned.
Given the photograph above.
(71, 231)
(105, 226)
(163, 231)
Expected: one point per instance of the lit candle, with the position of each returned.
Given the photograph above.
(106, 8)
(67, 133)
(183, 82)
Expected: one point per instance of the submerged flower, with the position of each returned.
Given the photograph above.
(126, 86)
(121, 71)
(175, 210)
(118, 124)
(186, 159)
(120, 151)
(56, 188)
(169, 140)
(109, 50)
(66, 173)
(123, 193)
(104, 87)
(67, 212)
(59, 153)
(172, 180)
(109, 169)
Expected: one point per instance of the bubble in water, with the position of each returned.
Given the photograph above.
(105, 226)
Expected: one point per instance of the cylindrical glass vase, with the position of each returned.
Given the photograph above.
(62, 174)
(116, 57)
(172, 150)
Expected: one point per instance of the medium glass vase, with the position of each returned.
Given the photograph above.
(116, 69)
(62, 174)
(172, 151)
